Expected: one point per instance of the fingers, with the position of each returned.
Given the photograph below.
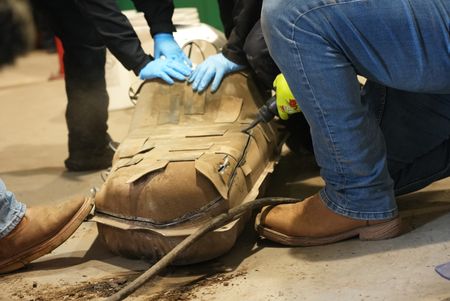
(175, 70)
(186, 59)
(174, 73)
(217, 80)
(201, 70)
(166, 69)
(180, 67)
(193, 76)
(212, 71)
(206, 79)
(166, 78)
(159, 68)
(171, 50)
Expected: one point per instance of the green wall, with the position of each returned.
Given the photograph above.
(207, 9)
(125, 4)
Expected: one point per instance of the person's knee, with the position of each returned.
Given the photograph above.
(279, 19)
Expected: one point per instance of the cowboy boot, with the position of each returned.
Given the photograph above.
(312, 223)
(41, 230)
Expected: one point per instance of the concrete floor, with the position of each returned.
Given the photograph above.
(32, 150)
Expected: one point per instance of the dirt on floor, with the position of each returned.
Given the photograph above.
(189, 291)
(107, 286)
(83, 290)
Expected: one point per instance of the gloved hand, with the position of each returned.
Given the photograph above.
(214, 68)
(286, 103)
(165, 45)
(165, 69)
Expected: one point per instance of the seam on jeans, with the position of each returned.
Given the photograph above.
(323, 6)
(19, 214)
(328, 201)
(322, 113)
(380, 112)
(382, 106)
(336, 151)
(341, 169)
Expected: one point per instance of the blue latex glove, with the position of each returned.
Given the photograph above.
(165, 45)
(165, 69)
(214, 68)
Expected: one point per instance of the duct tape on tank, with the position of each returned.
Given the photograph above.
(145, 168)
(167, 232)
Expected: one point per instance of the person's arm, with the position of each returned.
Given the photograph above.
(247, 13)
(158, 15)
(232, 58)
(226, 9)
(117, 33)
(159, 18)
(121, 39)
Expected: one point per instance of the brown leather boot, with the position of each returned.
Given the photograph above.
(41, 230)
(311, 223)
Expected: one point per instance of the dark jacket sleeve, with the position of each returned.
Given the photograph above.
(116, 32)
(246, 14)
(226, 8)
(158, 14)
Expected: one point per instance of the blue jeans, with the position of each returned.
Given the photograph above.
(11, 211)
(320, 46)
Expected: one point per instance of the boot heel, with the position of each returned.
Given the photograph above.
(380, 231)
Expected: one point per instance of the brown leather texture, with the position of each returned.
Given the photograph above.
(310, 223)
(184, 161)
(41, 230)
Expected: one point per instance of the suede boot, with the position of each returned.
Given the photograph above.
(40, 231)
(310, 223)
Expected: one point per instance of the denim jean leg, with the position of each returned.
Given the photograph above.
(11, 211)
(320, 46)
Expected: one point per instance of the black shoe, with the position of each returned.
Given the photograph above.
(94, 160)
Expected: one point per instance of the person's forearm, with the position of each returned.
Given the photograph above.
(117, 32)
(248, 13)
(158, 14)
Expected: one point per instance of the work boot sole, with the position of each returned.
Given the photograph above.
(33, 253)
(385, 230)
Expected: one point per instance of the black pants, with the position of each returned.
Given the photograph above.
(259, 58)
(84, 63)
